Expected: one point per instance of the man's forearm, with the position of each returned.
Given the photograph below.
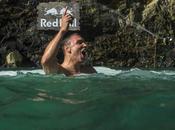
(52, 48)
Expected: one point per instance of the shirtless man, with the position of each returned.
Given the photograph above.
(73, 48)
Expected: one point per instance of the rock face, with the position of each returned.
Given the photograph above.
(13, 59)
(119, 33)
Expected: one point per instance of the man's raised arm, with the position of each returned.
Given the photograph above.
(49, 60)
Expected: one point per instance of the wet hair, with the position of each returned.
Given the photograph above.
(66, 39)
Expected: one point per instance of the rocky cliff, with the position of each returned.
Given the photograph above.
(120, 33)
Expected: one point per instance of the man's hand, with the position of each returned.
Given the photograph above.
(65, 21)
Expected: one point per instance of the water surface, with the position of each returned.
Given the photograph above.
(130, 99)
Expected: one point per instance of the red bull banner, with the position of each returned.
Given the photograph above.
(49, 15)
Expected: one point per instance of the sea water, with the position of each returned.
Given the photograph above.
(112, 99)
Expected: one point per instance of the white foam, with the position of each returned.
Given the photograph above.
(107, 71)
(15, 72)
(164, 72)
(38, 71)
(155, 72)
(8, 73)
(102, 70)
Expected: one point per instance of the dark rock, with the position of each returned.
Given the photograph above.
(170, 58)
(14, 59)
(117, 36)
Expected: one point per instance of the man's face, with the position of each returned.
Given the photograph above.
(77, 47)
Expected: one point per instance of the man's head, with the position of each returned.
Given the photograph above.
(74, 48)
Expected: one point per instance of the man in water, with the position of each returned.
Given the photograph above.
(73, 49)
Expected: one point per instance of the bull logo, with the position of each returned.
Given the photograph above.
(52, 11)
(68, 11)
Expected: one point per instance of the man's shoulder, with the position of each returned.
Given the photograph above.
(87, 69)
(59, 69)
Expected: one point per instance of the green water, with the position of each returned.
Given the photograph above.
(128, 100)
